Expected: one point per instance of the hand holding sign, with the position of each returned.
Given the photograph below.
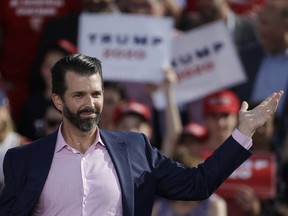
(250, 120)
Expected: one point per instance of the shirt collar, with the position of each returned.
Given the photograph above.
(61, 143)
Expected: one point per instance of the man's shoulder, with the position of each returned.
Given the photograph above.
(46, 141)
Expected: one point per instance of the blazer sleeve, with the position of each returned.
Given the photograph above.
(174, 181)
(7, 196)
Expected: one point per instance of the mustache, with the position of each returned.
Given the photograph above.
(89, 109)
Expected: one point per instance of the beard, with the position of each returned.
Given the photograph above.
(83, 124)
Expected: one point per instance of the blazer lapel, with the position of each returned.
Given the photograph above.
(41, 159)
(41, 162)
(120, 157)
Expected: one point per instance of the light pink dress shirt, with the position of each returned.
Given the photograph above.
(242, 139)
(80, 184)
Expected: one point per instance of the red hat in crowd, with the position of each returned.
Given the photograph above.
(133, 107)
(67, 46)
(224, 101)
(196, 130)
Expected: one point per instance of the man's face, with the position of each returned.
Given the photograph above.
(112, 99)
(83, 101)
(221, 125)
(134, 123)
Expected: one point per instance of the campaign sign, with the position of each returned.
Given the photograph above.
(258, 172)
(130, 47)
(205, 60)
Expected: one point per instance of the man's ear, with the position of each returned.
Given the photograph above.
(57, 100)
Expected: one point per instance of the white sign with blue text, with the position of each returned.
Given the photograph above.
(130, 47)
(205, 60)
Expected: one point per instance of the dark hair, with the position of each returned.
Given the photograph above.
(78, 63)
(116, 87)
(36, 81)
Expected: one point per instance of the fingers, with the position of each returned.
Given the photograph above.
(244, 106)
(272, 102)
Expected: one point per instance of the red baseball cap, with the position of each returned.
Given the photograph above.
(196, 130)
(224, 101)
(133, 107)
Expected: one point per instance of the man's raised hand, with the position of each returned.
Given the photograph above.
(250, 120)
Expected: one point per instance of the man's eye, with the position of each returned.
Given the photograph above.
(97, 94)
(77, 95)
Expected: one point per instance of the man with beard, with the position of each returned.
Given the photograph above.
(83, 170)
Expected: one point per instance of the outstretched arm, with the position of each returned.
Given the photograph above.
(250, 120)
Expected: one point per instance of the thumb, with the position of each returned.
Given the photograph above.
(244, 106)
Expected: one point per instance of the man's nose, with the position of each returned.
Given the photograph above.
(90, 101)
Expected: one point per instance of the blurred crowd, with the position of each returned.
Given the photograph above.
(36, 34)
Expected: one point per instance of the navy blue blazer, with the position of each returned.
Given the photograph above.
(142, 170)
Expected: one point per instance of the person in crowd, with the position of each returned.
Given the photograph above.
(9, 137)
(114, 96)
(266, 64)
(213, 206)
(170, 8)
(242, 28)
(262, 60)
(52, 120)
(129, 171)
(67, 26)
(21, 23)
(193, 137)
(220, 117)
(34, 107)
(134, 116)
